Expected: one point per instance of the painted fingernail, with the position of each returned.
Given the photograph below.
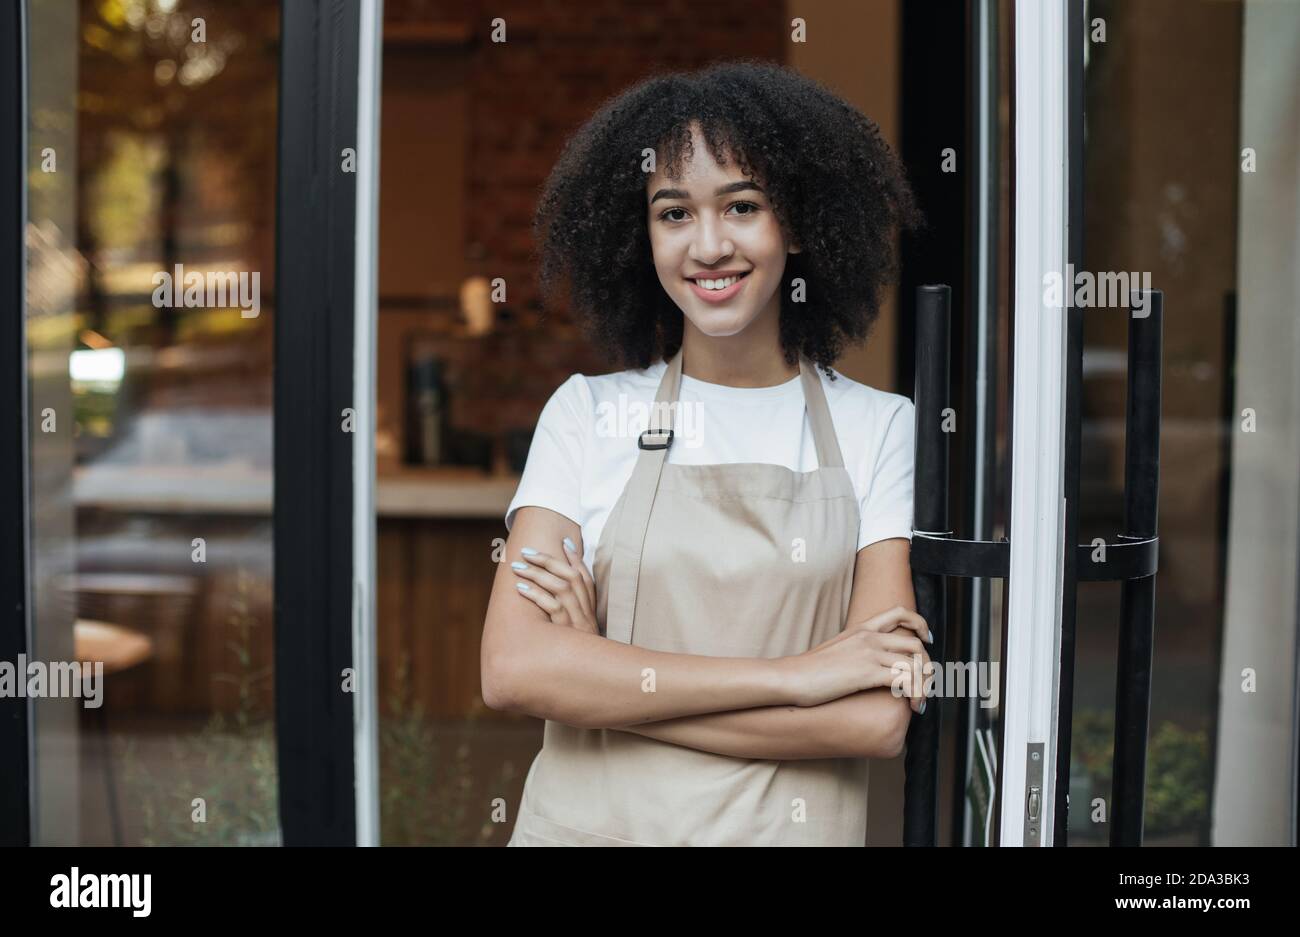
(521, 586)
(921, 711)
(528, 551)
(569, 543)
(518, 565)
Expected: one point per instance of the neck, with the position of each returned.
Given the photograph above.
(750, 358)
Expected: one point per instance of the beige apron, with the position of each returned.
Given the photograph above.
(732, 560)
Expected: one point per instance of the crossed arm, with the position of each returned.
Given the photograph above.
(740, 707)
(864, 724)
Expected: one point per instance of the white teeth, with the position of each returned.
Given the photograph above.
(717, 284)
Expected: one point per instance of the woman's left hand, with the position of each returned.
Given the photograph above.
(563, 588)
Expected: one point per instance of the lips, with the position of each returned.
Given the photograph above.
(719, 296)
(716, 274)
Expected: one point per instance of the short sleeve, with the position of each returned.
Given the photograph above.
(886, 504)
(552, 476)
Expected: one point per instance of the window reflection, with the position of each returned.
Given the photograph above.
(152, 145)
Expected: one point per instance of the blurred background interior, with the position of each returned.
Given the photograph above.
(152, 525)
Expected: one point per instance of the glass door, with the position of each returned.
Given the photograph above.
(1155, 154)
(151, 156)
(1192, 173)
(192, 630)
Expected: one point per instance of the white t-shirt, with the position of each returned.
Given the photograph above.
(585, 445)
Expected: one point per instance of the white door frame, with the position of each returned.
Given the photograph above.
(365, 636)
(1031, 656)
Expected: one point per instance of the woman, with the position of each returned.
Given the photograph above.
(710, 605)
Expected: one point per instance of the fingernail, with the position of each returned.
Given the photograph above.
(528, 551)
(569, 543)
(521, 586)
(518, 565)
(922, 709)
(930, 639)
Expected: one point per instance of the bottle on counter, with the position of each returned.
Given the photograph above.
(427, 397)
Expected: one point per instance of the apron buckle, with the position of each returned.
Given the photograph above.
(667, 433)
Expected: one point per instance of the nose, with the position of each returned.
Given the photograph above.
(709, 244)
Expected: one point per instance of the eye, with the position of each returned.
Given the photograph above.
(752, 206)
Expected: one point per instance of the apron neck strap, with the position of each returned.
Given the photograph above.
(819, 413)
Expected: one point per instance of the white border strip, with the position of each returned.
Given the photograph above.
(365, 699)
(1032, 654)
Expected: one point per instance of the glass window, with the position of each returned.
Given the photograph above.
(151, 257)
(1191, 178)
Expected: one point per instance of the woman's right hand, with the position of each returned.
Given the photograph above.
(860, 658)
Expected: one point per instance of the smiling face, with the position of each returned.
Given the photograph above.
(718, 247)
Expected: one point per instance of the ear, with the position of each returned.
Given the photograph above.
(794, 249)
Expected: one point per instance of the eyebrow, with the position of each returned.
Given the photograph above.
(741, 186)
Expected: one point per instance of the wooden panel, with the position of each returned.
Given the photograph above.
(435, 577)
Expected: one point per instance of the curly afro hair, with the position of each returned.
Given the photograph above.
(836, 188)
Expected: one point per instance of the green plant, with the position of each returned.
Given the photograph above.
(230, 763)
(1178, 779)
(429, 795)
(1178, 772)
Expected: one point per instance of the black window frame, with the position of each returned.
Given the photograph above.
(313, 487)
(15, 482)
